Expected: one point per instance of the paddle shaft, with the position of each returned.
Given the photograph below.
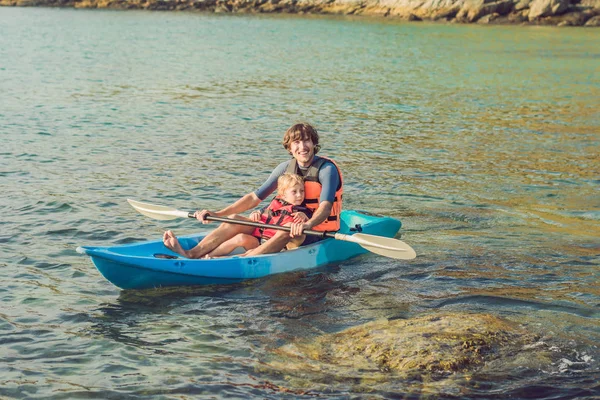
(266, 226)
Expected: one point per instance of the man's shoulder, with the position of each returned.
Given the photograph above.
(326, 163)
(283, 166)
(326, 160)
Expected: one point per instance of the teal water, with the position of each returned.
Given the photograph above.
(484, 141)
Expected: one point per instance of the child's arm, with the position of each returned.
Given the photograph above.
(302, 216)
(299, 216)
(256, 214)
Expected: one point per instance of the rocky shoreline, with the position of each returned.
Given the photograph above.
(520, 12)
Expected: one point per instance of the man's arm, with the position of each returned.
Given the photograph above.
(270, 185)
(250, 200)
(320, 215)
(247, 202)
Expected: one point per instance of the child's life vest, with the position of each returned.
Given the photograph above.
(279, 212)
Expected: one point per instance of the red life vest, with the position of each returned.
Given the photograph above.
(278, 212)
(312, 192)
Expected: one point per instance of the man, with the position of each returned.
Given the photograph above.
(323, 192)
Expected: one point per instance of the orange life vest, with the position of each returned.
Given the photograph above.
(312, 192)
(278, 212)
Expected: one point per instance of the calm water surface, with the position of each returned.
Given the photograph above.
(484, 141)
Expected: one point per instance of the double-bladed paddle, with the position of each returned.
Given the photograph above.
(384, 246)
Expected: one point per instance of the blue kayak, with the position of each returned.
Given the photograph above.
(151, 265)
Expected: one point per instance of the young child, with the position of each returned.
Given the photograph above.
(284, 209)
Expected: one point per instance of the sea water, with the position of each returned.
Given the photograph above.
(483, 140)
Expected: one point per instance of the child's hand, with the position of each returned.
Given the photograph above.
(255, 216)
(300, 217)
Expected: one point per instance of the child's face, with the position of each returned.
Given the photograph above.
(294, 194)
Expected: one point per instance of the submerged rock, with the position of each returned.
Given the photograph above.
(425, 349)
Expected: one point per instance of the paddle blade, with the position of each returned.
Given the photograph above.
(157, 212)
(384, 246)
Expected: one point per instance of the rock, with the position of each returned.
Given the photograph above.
(434, 9)
(576, 18)
(521, 5)
(430, 348)
(546, 8)
(518, 16)
(85, 4)
(486, 19)
(378, 10)
(550, 12)
(473, 10)
(446, 13)
(594, 21)
(222, 7)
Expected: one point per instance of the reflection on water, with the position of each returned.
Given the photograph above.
(482, 140)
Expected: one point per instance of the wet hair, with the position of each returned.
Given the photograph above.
(288, 180)
(301, 131)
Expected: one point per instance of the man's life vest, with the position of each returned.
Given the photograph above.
(312, 192)
(278, 212)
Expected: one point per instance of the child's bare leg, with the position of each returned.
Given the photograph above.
(295, 242)
(213, 240)
(248, 242)
(273, 245)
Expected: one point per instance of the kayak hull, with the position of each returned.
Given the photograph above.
(135, 266)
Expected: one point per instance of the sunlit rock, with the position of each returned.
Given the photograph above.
(486, 19)
(473, 10)
(545, 8)
(594, 21)
(522, 4)
(518, 16)
(431, 348)
(545, 12)
(571, 19)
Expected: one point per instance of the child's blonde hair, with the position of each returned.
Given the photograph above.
(288, 180)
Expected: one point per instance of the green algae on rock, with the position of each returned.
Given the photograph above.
(424, 349)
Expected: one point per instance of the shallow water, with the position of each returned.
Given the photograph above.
(482, 140)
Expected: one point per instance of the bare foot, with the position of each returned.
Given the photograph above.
(172, 243)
